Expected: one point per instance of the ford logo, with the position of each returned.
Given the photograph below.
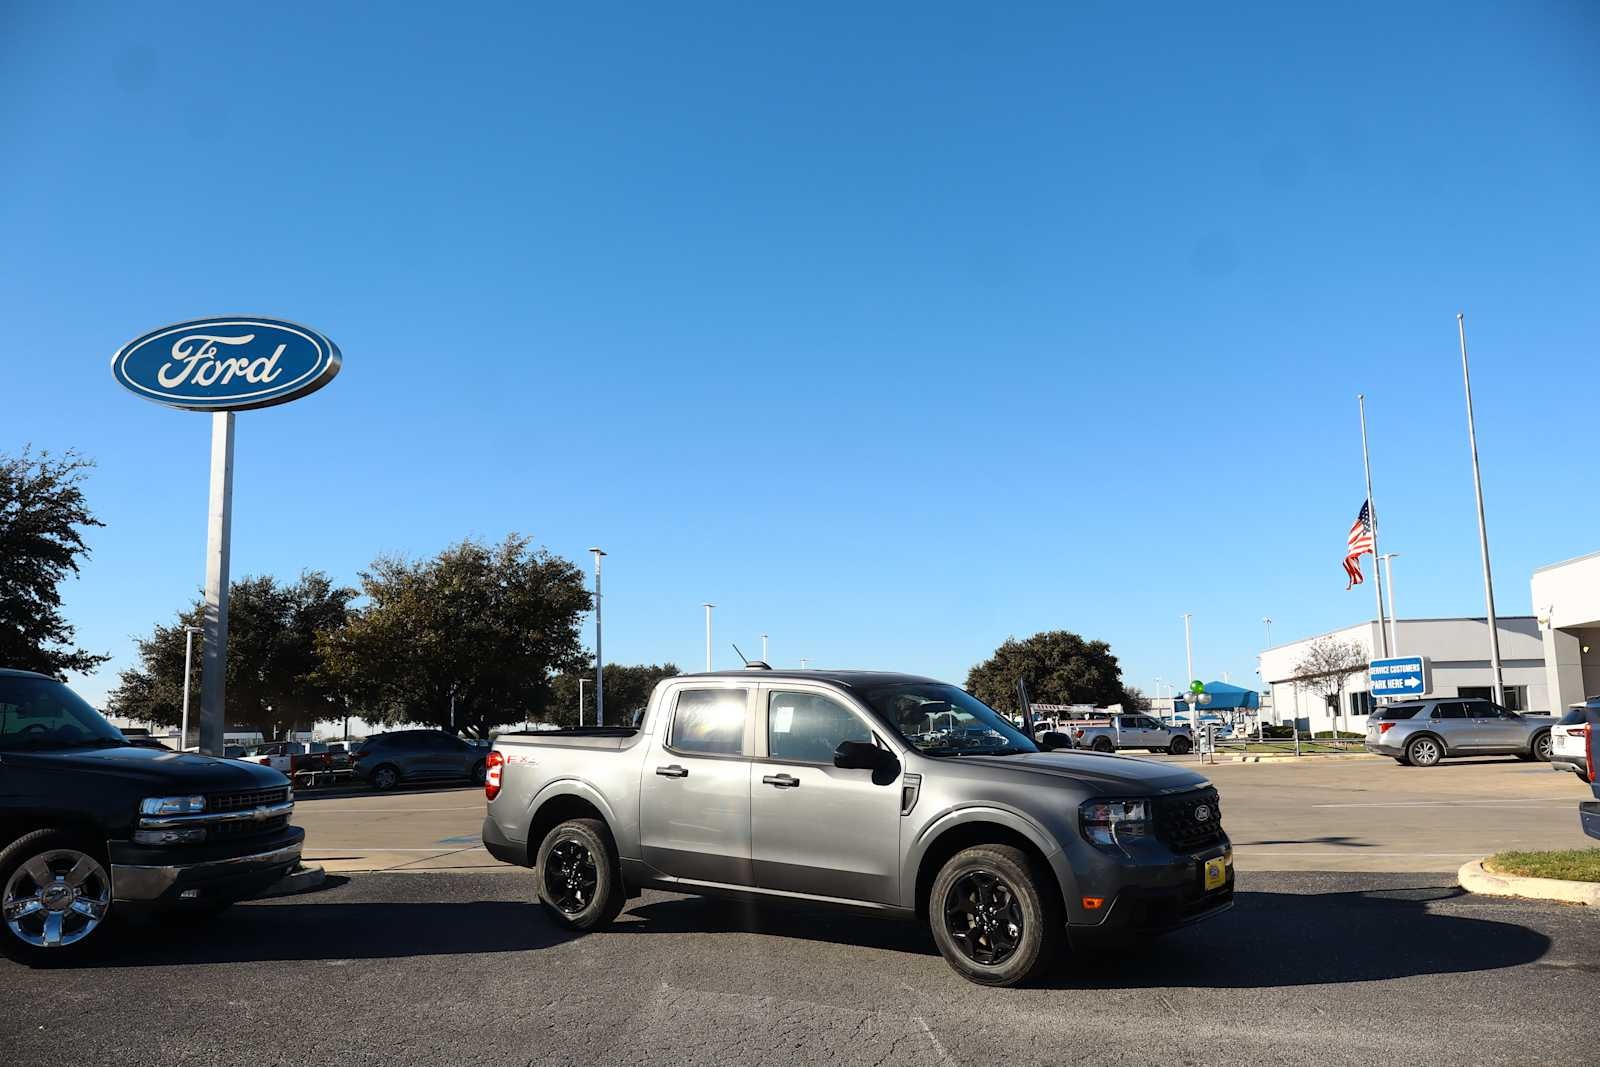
(230, 363)
(1203, 813)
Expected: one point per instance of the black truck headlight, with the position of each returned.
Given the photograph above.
(172, 805)
(1111, 822)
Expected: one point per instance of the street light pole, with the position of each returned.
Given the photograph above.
(764, 658)
(582, 681)
(599, 659)
(188, 659)
(1394, 616)
(1268, 623)
(1483, 530)
(708, 608)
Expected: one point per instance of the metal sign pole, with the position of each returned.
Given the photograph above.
(219, 532)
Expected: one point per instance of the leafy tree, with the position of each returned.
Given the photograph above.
(1060, 668)
(628, 690)
(272, 677)
(1325, 668)
(1133, 699)
(42, 518)
(472, 635)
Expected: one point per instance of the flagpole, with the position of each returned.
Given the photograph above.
(1483, 530)
(1372, 517)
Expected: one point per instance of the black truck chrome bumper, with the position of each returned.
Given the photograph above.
(214, 879)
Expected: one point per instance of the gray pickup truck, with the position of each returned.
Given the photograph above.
(1131, 731)
(1420, 733)
(889, 793)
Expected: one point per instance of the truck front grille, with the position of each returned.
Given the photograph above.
(220, 802)
(1179, 820)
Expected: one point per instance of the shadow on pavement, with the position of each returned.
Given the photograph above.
(345, 792)
(1268, 939)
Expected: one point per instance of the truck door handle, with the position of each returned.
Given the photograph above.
(782, 781)
(673, 771)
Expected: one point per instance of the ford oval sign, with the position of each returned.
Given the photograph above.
(229, 363)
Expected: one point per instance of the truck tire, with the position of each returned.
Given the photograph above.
(580, 881)
(1103, 744)
(1179, 746)
(55, 897)
(1424, 751)
(480, 770)
(995, 915)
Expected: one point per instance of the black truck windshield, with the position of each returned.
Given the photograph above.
(941, 720)
(41, 712)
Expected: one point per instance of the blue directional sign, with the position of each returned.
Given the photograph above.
(230, 363)
(1402, 676)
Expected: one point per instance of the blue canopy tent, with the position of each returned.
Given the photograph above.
(1225, 697)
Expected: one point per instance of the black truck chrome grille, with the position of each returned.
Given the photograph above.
(260, 798)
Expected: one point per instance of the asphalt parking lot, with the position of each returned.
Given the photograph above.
(458, 967)
(1331, 956)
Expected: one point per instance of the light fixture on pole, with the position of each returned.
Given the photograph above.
(1394, 624)
(599, 658)
(188, 660)
(708, 607)
(1483, 529)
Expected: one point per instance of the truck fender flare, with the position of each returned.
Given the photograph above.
(1009, 818)
(573, 787)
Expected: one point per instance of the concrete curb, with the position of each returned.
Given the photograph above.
(302, 879)
(1475, 879)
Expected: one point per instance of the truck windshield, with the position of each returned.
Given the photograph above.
(43, 713)
(942, 720)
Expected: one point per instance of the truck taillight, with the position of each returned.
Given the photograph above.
(491, 774)
(1592, 746)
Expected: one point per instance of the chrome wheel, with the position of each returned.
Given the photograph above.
(1424, 752)
(56, 899)
(570, 876)
(385, 778)
(983, 917)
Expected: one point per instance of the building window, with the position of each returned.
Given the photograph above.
(1360, 702)
(1516, 695)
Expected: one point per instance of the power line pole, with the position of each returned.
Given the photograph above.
(1483, 529)
(599, 658)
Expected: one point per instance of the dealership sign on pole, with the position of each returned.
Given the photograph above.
(222, 365)
(1401, 676)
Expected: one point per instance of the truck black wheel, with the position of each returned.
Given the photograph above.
(55, 897)
(1179, 746)
(995, 915)
(580, 882)
(1423, 752)
(1103, 744)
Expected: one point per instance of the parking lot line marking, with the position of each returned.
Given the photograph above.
(1446, 803)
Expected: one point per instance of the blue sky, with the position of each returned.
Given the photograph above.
(892, 329)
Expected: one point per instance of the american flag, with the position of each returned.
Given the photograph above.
(1360, 541)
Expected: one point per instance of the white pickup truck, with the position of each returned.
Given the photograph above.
(1131, 731)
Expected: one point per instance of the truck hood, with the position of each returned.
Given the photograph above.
(1104, 774)
(173, 772)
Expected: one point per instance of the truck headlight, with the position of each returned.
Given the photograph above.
(1110, 822)
(172, 805)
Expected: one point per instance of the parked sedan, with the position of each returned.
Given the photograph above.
(1569, 739)
(1420, 733)
(386, 760)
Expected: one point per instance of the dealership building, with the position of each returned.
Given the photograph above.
(1549, 660)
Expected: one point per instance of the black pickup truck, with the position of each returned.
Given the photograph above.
(90, 824)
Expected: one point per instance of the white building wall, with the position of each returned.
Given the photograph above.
(1566, 600)
(1458, 651)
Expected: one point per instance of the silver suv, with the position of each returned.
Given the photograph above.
(1420, 733)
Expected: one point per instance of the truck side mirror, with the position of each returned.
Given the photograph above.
(861, 756)
(1054, 739)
